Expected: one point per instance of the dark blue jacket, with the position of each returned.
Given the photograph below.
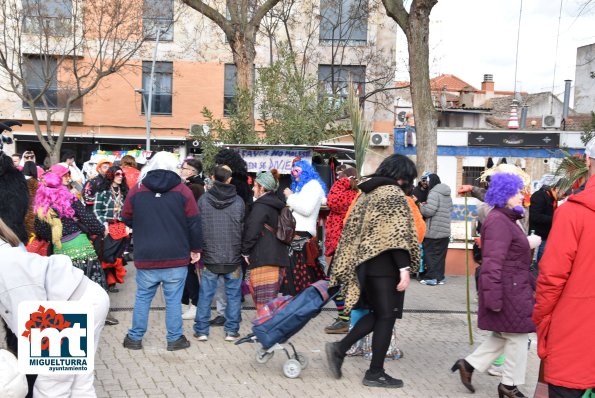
(165, 221)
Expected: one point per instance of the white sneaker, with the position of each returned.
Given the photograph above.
(495, 370)
(190, 313)
(202, 337)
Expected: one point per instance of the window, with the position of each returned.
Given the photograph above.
(41, 77)
(161, 103)
(471, 175)
(334, 80)
(48, 17)
(229, 88)
(344, 21)
(158, 14)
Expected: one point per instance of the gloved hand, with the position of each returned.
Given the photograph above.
(463, 189)
(534, 241)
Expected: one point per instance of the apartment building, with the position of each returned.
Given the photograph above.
(338, 39)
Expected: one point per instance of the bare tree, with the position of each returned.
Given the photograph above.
(240, 26)
(416, 26)
(53, 53)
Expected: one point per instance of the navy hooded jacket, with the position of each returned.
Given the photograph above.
(165, 219)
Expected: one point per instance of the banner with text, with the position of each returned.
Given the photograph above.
(267, 159)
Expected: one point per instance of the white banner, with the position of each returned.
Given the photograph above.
(267, 159)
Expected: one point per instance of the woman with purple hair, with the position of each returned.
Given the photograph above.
(506, 288)
(305, 197)
(59, 219)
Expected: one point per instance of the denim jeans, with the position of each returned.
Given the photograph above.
(147, 281)
(540, 251)
(233, 291)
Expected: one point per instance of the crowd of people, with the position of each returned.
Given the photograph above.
(215, 236)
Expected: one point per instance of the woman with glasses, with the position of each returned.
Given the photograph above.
(109, 201)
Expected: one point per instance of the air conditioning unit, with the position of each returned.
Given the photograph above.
(379, 139)
(550, 122)
(199, 130)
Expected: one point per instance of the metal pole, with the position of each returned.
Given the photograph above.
(150, 95)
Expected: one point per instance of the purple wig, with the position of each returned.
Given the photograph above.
(308, 174)
(503, 186)
(53, 195)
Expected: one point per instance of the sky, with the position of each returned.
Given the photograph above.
(470, 38)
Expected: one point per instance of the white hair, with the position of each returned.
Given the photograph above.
(160, 161)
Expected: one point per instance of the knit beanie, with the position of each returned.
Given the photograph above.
(266, 180)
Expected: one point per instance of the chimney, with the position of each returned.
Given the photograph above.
(488, 83)
(513, 121)
(566, 99)
(524, 110)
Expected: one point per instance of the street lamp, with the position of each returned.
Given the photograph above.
(149, 100)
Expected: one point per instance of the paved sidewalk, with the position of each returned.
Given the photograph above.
(431, 342)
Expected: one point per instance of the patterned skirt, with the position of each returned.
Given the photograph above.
(299, 275)
(265, 283)
(83, 256)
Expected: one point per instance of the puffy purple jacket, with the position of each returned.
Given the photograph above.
(506, 284)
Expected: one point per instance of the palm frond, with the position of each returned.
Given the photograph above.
(360, 128)
(572, 170)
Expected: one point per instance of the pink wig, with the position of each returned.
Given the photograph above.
(53, 195)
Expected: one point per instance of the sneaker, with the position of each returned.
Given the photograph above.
(381, 380)
(429, 282)
(334, 359)
(219, 320)
(110, 320)
(442, 281)
(495, 370)
(113, 288)
(229, 336)
(132, 344)
(338, 327)
(190, 313)
(179, 344)
(201, 337)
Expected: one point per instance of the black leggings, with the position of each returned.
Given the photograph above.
(380, 283)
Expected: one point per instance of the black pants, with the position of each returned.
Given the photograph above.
(564, 392)
(435, 257)
(381, 277)
(191, 287)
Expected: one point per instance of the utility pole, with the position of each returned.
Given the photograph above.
(150, 95)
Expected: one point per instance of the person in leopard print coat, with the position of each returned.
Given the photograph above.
(377, 250)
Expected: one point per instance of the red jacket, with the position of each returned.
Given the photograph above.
(338, 200)
(565, 298)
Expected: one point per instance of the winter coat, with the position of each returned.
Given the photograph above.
(91, 188)
(338, 201)
(107, 207)
(13, 197)
(34, 277)
(437, 211)
(379, 221)
(505, 284)
(222, 213)
(132, 175)
(260, 244)
(306, 205)
(565, 298)
(196, 185)
(541, 212)
(165, 219)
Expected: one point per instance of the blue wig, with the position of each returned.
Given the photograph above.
(503, 186)
(308, 174)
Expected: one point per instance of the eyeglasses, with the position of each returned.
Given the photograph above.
(29, 156)
(190, 169)
(119, 174)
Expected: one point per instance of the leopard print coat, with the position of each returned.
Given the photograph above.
(380, 220)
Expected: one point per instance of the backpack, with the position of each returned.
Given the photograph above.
(285, 230)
